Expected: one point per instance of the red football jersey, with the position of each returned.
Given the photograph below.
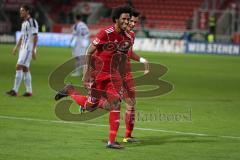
(112, 51)
(128, 64)
(132, 34)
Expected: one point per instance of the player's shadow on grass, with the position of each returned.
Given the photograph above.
(161, 140)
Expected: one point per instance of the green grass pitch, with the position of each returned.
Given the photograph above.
(206, 91)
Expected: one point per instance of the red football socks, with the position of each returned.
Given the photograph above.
(79, 99)
(114, 121)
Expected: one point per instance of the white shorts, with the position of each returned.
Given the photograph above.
(24, 58)
(80, 47)
(79, 51)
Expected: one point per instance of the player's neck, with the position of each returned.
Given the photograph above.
(28, 16)
(128, 29)
(117, 29)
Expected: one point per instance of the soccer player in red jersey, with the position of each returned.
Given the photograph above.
(129, 83)
(110, 48)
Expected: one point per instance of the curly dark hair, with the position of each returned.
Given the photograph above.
(116, 13)
(135, 13)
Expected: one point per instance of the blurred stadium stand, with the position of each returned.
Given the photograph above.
(176, 16)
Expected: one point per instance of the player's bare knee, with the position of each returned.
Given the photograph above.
(25, 69)
(130, 107)
(130, 102)
(19, 67)
(115, 105)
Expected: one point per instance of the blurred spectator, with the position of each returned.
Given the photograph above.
(62, 17)
(142, 21)
(130, 3)
(43, 28)
(212, 24)
(235, 12)
(86, 11)
(70, 18)
(212, 28)
(189, 23)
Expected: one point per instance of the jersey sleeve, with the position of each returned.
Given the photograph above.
(130, 51)
(22, 32)
(34, 27)
(74, 30)
(83, 30)
(133, 37)
(101, 38)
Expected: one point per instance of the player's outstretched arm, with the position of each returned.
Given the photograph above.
(87, 68)
(17, 46)
(34, 50)
(137, 58)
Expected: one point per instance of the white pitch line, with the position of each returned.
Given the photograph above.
(103, 125)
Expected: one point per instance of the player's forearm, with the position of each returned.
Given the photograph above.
(91, 49)
(35, 40)
(19, 42)
(73, 36)
(135, 57)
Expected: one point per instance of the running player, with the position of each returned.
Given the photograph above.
(110, 47)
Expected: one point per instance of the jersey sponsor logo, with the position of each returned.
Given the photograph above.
(123, 46)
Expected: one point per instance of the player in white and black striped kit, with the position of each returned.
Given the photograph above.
(28, 45)
(81, 35)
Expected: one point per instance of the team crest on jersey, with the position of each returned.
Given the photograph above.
(96, 41)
